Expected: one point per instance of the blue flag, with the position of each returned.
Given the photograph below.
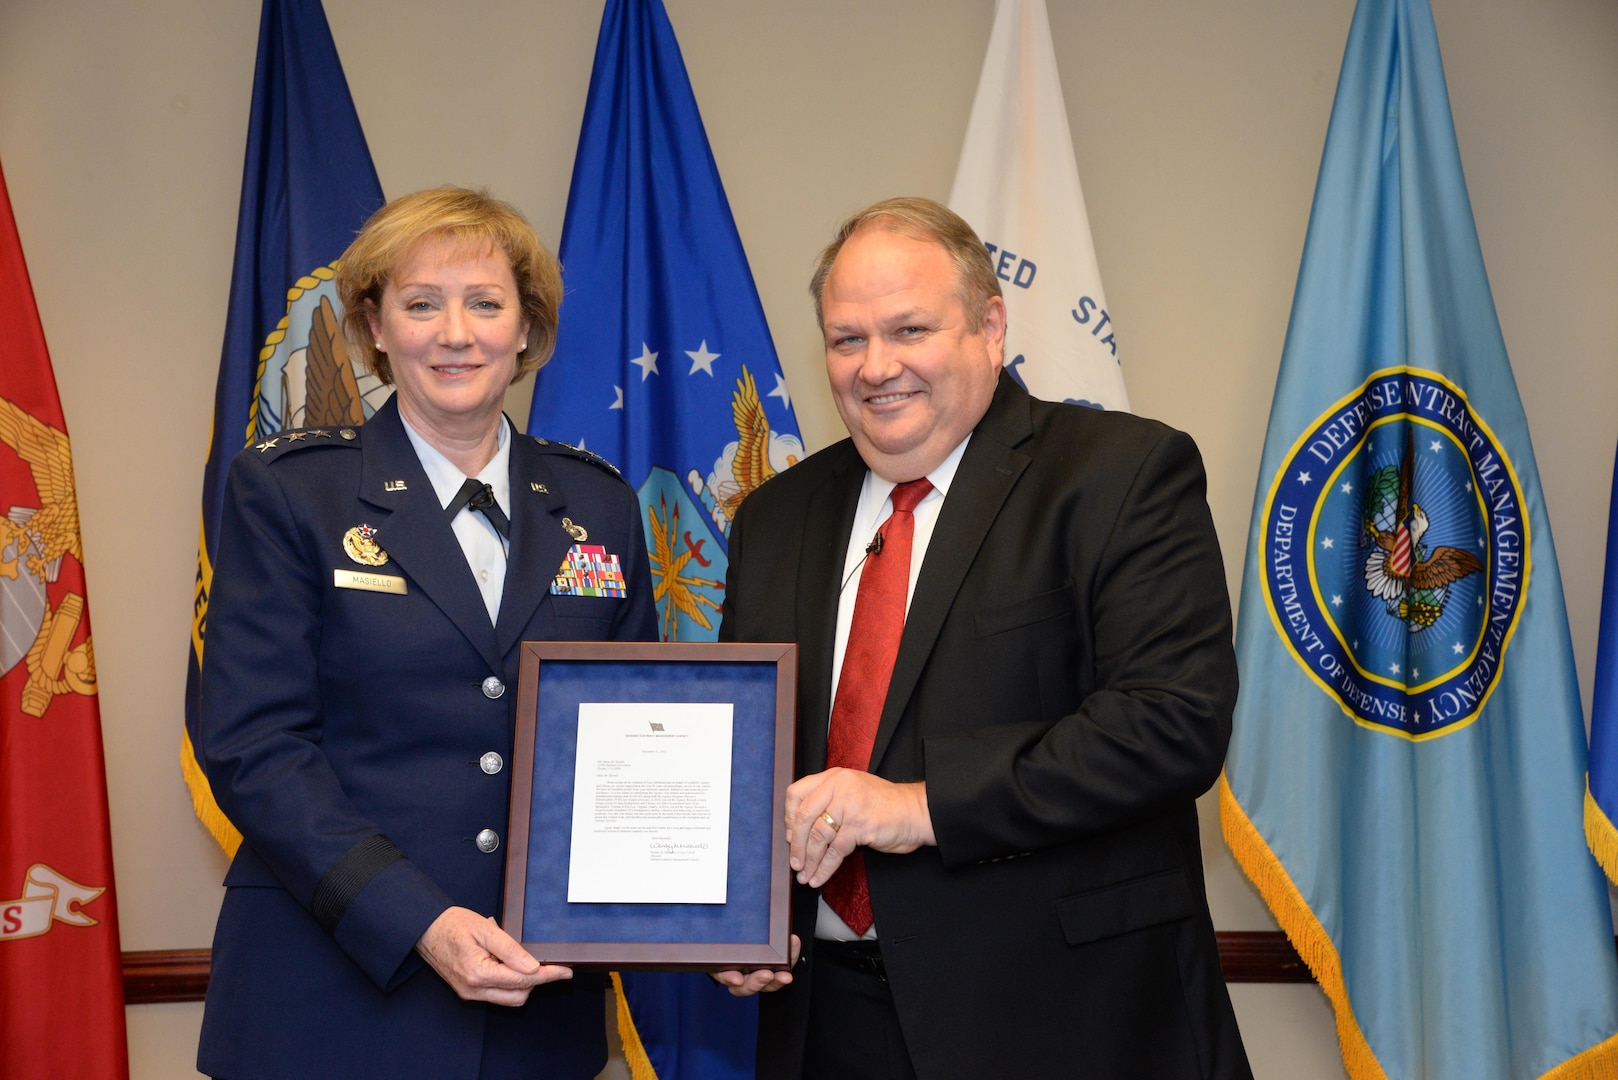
(664, 366)
(1403, 785)
(307, 187)
(1601, 794)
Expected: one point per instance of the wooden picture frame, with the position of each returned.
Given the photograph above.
(750, 929)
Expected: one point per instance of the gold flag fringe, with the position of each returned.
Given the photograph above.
(640, 1065)
(208, 812)
(1259, 863)
(1600, 1062)
(1600, 833)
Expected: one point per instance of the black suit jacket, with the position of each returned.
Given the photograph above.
(1064, 686)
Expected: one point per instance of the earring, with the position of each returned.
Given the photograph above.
(379, 346)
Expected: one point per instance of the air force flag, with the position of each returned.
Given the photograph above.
(665, 367)
(664, 364)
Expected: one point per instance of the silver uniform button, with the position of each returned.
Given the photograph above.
(493, 687)
(488, 840)
(491, 763)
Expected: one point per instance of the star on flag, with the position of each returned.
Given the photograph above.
(646, 361)
(702, 360)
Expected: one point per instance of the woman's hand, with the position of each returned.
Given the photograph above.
(762, 981)
(480, 961)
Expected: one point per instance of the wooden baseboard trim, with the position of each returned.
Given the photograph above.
(168, 975)
(163, 975)
(1260, 956)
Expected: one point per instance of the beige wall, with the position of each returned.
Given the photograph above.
(1198, 129)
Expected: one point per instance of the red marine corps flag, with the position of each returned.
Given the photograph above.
(61, 981)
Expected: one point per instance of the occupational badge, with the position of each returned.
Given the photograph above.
(360, 543)
(577, 532)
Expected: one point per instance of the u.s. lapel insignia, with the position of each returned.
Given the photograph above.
(393, 485)
(360, 543)
(577, 532)
(541, 488)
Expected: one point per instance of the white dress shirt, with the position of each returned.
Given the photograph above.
(483, 545)
(875, 507)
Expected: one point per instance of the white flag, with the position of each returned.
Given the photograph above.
(1018, 186)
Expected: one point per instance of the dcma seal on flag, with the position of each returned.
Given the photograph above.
(1395, 554)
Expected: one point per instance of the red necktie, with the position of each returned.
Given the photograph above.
(873, 643)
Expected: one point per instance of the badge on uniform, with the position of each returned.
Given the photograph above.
(360, 543)
(589, 571)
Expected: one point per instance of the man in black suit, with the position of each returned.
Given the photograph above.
(1060, 694)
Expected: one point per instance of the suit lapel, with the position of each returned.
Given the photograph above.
(416, 534)
(828, 519)
(988, 471)
(538, 541)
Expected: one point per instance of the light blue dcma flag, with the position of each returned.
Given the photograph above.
(1601, 794)
(664, 366)
(307, 187)
(1403, 785)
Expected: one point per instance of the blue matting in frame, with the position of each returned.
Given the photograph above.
(563, 686)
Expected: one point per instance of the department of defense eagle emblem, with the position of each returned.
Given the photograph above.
(1395, 554)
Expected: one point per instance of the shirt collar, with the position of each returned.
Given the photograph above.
(942, 476)
(447, 479)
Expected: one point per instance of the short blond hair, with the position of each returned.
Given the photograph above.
(921, 219)
(473, 220)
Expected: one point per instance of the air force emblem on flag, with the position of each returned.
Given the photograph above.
(686, 530)
(1395, 554)
(757, 454)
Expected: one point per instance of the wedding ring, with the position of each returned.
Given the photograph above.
(829, 820)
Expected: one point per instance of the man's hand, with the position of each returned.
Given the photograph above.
(831, 813)
(763, 981)
(480, 961)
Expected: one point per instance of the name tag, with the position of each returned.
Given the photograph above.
(353, 579)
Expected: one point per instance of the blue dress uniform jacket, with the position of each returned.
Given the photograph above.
(1064, 686)
(348, 734)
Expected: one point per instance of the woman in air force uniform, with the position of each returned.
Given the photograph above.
(371, 588)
